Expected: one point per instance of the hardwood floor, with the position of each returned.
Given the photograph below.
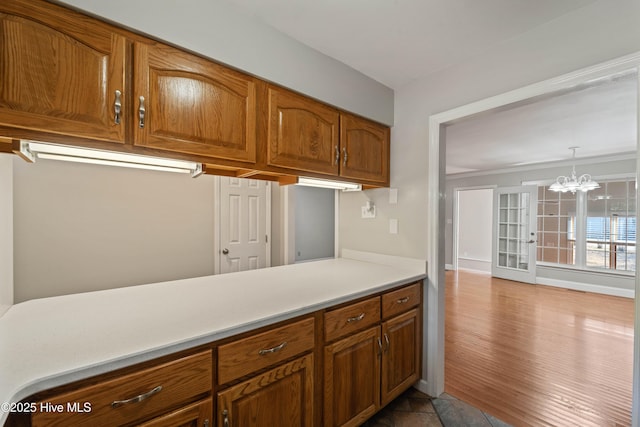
(534, 355)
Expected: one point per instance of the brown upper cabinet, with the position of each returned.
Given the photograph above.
(62, 72)
(69, 78)
(308, 136)
(187, 104)
(302, 133)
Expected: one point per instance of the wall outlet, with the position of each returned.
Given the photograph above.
(369, 212)
(393, 226)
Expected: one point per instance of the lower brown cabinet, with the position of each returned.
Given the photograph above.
(195, 415)
(282, 396)
(352, 379)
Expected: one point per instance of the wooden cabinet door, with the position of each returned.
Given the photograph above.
(60, 71)
(302, 134)
(364, 150)
(192, 105)
(280, 397)
(401, 354)
(198, 414)
(352, 379)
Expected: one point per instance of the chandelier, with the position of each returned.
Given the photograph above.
(572, 183)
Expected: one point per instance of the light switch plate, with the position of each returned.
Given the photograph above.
(393, 196)
(393, 226)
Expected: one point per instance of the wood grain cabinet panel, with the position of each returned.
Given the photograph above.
(351, 318)
(199, 414)
(280, 397)
(365, 150)
(248, 355)
(192, 105)
(352, 379)
(137, 395)
(403, 299)
(401, 354)
(302, 133)
(59, 72)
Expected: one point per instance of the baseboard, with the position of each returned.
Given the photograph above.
(586, 287)
(423, 386)
(447, 267)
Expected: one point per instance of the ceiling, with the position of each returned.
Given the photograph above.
(397, 41)
(600, 118)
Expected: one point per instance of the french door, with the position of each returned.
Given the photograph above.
(514, 233)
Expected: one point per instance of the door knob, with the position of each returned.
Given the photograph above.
(225, 251)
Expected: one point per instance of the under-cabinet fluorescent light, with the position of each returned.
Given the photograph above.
(37, 150)
(325, 183)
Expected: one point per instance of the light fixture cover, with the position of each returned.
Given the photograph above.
(326, 183)
(38, 150)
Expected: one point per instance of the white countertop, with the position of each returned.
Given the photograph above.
(48, 342)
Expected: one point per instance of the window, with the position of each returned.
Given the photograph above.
(594, 230)
(556, 227)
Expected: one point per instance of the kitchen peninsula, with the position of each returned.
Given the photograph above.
(50, 342)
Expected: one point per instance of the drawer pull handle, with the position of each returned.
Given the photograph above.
(136, 399)
(273, 349)
(225, 416)
(402, 300)
(355, 318)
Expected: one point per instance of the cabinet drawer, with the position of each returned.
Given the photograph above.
(259, 351)
(403, 299)
(150, 391)
(351, 318)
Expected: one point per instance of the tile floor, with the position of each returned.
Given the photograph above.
(415, 409)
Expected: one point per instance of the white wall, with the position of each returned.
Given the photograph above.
(221, 31)
(83, 227)
(601, 31)
(314, 223)
(6, 232)
(475, 222)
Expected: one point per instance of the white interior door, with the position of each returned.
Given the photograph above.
(514, 233)
(244, 224)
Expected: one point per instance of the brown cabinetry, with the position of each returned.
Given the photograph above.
(195, 415)
(310, 137)
(133, 397)
(186, 104)
(62, 72)
(282, 396)
(366, 370)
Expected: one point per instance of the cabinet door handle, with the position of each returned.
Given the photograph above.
(141, 112)
(225, 418)
(386, 341)
(206, 423)
(345, 156)
(379, 347)
(355, 318)
(337, 155)
(403, 300)
(117, 107)
(273, 349)
(136, 399)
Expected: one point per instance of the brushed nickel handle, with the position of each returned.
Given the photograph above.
(141, 112)
(136, 399)
(345, 156)
(225, 418)
(386, 341)
(531, 241)
(402, 300)
(225, 251)
(355, 318)
(273, 349)
(379, 347)
(337, 155)
(206, 423)
(117, 107)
